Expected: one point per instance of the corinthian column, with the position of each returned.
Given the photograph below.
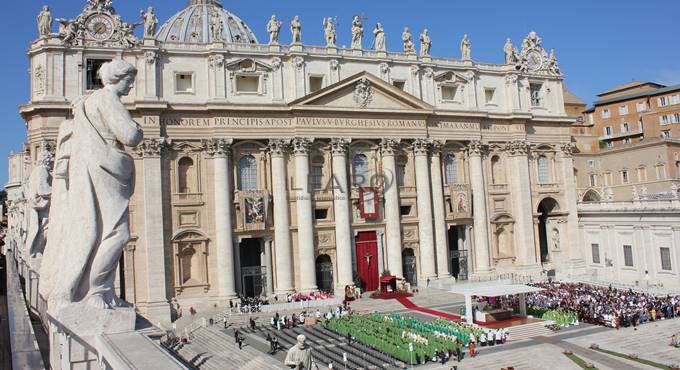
(157, 306)
(304, 215)
(392, 214)
(343, 232)
(439, 212)
(482, 265)
(220, 150)
(425, 232)
(522, 209)
(569, 186)
(282, 242)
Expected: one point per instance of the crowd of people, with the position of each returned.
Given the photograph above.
(279, 322)
(313, 296)
(605, 306)
(248, 304)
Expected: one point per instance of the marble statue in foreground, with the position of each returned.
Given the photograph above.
(91, 191)
(38, 194)
(299, 356)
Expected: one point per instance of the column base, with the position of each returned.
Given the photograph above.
(158, 313)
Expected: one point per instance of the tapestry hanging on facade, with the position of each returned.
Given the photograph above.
(254, 208)
(460, 200)
(368, 200)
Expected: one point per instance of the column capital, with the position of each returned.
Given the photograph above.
(476, 148)
(339, 146)
(301, 145)
(278, 147)
(388, 146)
(517, 147)
(217, 147)
(436, 147)
(151, 147)
(568, 149)
(421, 146)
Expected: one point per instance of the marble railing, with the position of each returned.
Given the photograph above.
(637, 205)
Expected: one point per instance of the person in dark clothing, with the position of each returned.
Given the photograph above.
(271, 343)
(252, 324)
(349, 338)
(275, 344)
(459, 350)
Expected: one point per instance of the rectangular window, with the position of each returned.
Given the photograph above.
(665, 258)
(596, 252)
(623, 110)
(321, 214)
(675, 118)
(401, 175)
(675, 99)
(489, 95)
(401, 85)
(606, 113)
(316, 177)
(662, 101)
(591, 163)
(591, 119)
(247, 84)
(535, 92)
(184, 83)
(642, 174)
(593, 180)
(666, 134)
(664, 120)
(661, 172)
(607, 178)
(628, 255)
(640, 106)
(625, 127)
(624, 177)
(608, 130)
(93, 79)
(405, 210)
(449, 93)
(315, 83)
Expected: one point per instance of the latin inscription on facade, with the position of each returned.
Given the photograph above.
(283, 122)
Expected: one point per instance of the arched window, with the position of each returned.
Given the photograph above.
(360, 170)
(451, 169)
(497, 175)
(247, 172)
(543, 170)
(186, 182)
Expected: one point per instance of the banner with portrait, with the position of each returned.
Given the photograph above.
(460, 201)
(368, 203)
(254, 209)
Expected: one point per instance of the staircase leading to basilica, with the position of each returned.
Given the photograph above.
(210, 349)
(329, 348)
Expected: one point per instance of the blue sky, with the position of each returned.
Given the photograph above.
(598, 43)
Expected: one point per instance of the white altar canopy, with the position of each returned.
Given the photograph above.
(495, 290)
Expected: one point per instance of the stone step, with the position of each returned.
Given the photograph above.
(523, 332)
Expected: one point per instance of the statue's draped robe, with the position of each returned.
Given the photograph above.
(38, 198)
(94, 180)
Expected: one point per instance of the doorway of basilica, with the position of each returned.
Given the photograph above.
(408, 260)
(253, 274)
(367, 259)
(457, 252)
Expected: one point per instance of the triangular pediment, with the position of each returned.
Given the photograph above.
(362, 91)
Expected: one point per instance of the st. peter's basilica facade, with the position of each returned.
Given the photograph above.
(269, 168)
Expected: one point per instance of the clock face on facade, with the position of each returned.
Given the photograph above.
(534, 60)
(100, 27)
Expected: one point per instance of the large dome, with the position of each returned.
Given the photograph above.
(192, 25)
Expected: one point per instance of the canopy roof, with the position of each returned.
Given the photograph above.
(496, 290)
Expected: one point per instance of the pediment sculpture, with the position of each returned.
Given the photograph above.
(533, 58)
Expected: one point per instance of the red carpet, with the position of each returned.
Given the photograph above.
(408, 304)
